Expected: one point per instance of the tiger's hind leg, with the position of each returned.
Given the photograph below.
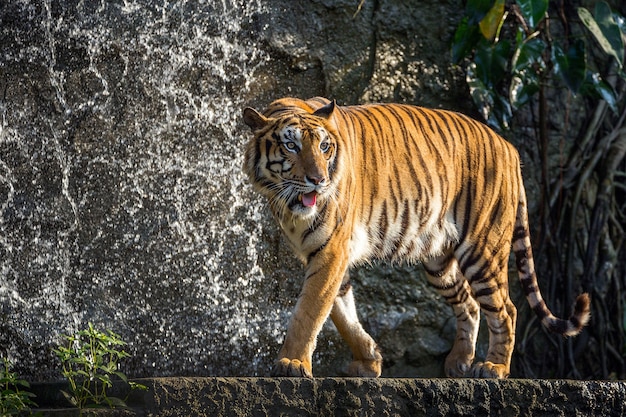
(367, 361)
(443, 274)
(488, 278)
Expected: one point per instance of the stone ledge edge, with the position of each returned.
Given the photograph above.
(225, 396)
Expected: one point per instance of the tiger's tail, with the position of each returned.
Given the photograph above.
(528, 278)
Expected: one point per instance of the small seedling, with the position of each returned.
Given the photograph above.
(14, 398)
(90, 361)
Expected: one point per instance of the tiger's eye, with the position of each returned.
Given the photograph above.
(291, 146)
(324, 146)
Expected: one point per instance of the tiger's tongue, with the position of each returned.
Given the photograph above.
(309, 199)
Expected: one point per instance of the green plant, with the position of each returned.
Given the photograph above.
(90, 360)
(14, 400)
(562, 67)
(505, 73)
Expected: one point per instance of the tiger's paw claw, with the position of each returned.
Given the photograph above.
(292, 368)
(459, 361)
(457, 369)
(365, 368)
(489, 369)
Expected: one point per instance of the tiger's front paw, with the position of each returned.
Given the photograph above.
(292, 367)
(489, 370)
(365, 368)
(458, 363)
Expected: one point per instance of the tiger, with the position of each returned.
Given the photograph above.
(349, 185)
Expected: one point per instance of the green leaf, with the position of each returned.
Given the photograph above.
(570, 66)
(476, 10)
(492, 62)
(135, 385)
(121, 376)
(529, 54)
(72, 399)
(490, 24)
(116, 402)
(22, 382)
(621, 23)
(494, 109)
(503, 113)
(524, 84)
(605, 30)
(595, 86)
(481, 95)
(527, 65)
(533, 11)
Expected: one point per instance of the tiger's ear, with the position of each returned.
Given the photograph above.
(254, 119)
(326, 111)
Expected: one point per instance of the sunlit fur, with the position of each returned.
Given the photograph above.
(403, 184)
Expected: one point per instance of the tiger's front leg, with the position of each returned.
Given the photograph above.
(367, 360)
(321, 285)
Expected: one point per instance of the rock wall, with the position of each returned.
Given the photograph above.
(122, 200)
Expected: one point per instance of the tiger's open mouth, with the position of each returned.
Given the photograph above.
(308, 199)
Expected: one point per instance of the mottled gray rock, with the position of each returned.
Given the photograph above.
(122, 200)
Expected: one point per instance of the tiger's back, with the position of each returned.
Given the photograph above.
(422, 185)
(406, 184)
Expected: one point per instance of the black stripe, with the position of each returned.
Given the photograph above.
(521, 259)
(372, 147)
(400, 123)
(257, 156)
(437, 148)
(397, 182)
(464, 296)
(435, 274)
(332, 166)
(468, 209)
(383, 223)
(268, 148)
(343, 290)
(444, 287)
(379, 112)
(448, 138)
(496, 213)
(541, 311)
(424, 193)
(313, 253)
(519, 233)
(482, 274)
(404, 219)
(493, 309)
(485, 292)
(319, 219)
(310, 274)
(398, 242)
(559, 326)
(530, 288)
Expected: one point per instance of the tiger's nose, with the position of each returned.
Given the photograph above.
(316, 180)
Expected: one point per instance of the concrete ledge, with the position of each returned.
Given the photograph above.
(357, 396)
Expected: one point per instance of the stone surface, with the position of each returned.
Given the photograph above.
(371, 397)
(122, 200)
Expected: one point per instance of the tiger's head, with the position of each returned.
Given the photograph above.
(292, 157)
